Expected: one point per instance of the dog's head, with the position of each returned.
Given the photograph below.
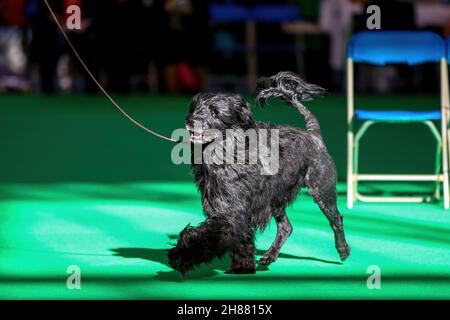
(211, 114)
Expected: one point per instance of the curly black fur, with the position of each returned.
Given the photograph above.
(237, 199)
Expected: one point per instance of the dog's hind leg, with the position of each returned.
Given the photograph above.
(243, 256)
(284, 230)
(336, 221)
(321, 182)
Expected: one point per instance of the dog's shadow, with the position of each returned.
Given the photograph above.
(209, 270)
(160, 256)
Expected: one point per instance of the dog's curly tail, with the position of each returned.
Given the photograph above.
(293, 89)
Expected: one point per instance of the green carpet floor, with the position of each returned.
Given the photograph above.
(117, 235)
(79, 185)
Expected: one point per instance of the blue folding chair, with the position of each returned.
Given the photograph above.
(397, 47)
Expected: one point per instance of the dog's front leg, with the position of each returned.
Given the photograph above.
(284, 230)
(201, 244)
(243, 257)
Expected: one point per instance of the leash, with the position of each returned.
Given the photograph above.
(97, 83)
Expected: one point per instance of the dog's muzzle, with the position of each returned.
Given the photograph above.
(200, 136)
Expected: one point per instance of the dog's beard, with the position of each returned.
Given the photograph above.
(201, 139)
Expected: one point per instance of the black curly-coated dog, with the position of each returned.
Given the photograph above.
(237, 199)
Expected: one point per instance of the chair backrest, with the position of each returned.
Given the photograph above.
(226, 13)
(402, 47)
(266, 13)
(275, 13)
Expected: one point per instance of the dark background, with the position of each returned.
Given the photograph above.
(153, 55)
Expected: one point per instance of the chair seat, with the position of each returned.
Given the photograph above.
(397, 115)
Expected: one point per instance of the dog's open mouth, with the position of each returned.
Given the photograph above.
(200, 137)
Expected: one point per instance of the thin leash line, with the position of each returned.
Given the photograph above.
(97, 83)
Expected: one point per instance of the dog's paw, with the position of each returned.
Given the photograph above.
(344, 251)
(243, 266)
(267, 259)
(176, 262)
(241, 270)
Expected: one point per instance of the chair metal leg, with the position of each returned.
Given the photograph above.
(355, 167)
(437, 169)
(437, 177)
(444, 130)
(350, 191)
(446, 176)
(438, 157)
(445, 157)
(359, 134)
(350, 150)
(445, 182)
